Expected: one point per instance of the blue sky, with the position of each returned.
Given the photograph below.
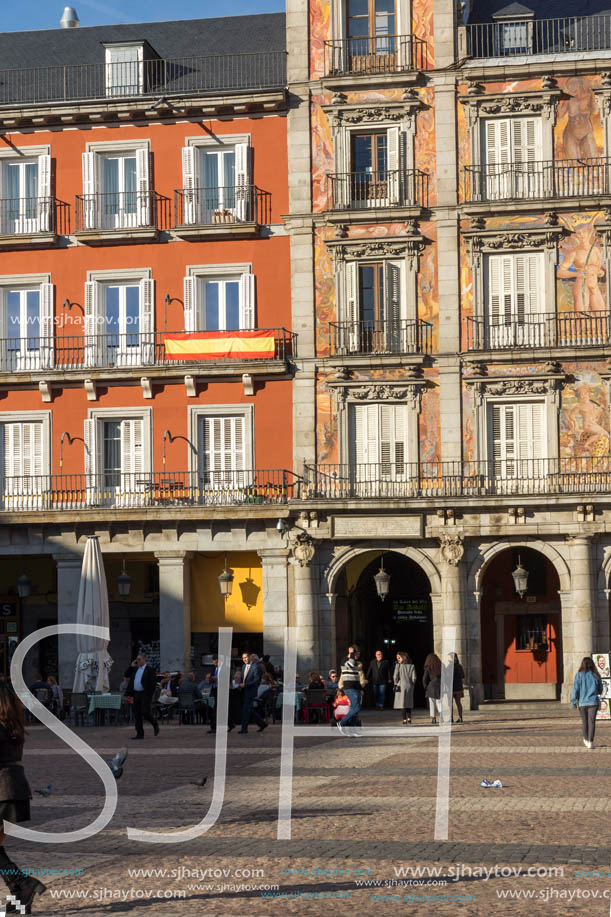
(45, 14)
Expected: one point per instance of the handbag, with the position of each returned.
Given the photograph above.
(397, 688)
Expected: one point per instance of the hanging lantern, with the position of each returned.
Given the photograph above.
(382, 581)
(520, 579)
(225, 581)
(24, 586)
(124, 582)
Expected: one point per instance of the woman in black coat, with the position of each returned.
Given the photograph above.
(15, 794)
(432, 684)
(458, 684)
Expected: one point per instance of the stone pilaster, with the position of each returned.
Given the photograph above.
(174, 610)
(68, 580)
(274, 562)
(306, 618)
(578, 614)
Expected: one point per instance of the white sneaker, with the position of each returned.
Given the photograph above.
(340, 728)
(586, 743)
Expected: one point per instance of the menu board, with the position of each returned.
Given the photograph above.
(405, 611)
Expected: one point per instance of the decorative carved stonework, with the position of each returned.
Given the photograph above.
(339, 98)
(411, 392)
(452, 548)
(478, 224)
(341, 231)
(522, 385)
(479, 104)
(395, 247)
(301, 547)
(490, 240)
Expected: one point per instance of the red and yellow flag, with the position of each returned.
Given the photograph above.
(217, 345)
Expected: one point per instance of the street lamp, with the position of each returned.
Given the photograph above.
(225, 581)
(124, 582)
(382, 581)
(520, 579)
(24, 586)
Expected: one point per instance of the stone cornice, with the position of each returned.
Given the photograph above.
(407, 390)
(480, 104)
(549, 381)
(376, 112)
(493, 240)
(409, 246)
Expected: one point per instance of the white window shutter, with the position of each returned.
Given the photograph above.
(243, 180)
(247, 301)
(90, 461)
(494, 289)
(189, 304)
(358, 439)
(386, 446)
(393, 333)
(350, 320)
(144, 187)
(393, 159)
(93, 331)
(45, 204)
(46, 325)
(90, 191)
(147, 320)
(189, 191)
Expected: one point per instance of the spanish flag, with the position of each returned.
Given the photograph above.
(220, 345)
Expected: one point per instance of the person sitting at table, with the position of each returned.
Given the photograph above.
(266, 683)
(206, 685)
(57, 696)
(123, 685)
(279, 674)
(188, 690)
(38, 685)
(165, 693)
(237, 680)
(174, 683)
(315, 682)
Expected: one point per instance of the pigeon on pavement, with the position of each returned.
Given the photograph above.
(200, 782)
(45, 791)
(116, 763)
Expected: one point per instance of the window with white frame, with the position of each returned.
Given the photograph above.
(224, 437)
(124, 69)
(117, 457)
(514, 300)
(372, 320)
(25, 459)
(379, 441)
(116, 187)
(119, 319)
(221, 299)
(25, 192)
(516, 37)
(517, 440)
(26, 324)
(217, 183)
(512, 158)
(376, 161)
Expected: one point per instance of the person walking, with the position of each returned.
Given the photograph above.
(15, 796)
(378, 675)
(352, 681)
(141, 686)
(458, 684)
(251, 677)
(404, 681)
(432, 685)
(587, 687)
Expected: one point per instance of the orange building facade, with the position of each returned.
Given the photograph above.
(146, 344)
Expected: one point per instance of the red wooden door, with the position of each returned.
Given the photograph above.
(531, 648)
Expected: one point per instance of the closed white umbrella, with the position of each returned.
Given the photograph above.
(93, 662)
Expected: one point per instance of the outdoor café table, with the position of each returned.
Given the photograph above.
(98, 703)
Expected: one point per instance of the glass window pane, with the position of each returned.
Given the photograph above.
(211, 170)
(130, 183)
(111, 185)
(367, 293)
(112, 312)
(229, 168)
(112, 453)
(11, 180)
(33, 318)
(31, 179)
(358, 8)
(232, 305)
(211, 303)
(13, 317)
(132, 314)
(382, 160)
(361, 153)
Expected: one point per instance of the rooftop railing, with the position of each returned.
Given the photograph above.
(565, 329)
(181, 76)
(380, 337)
(122, 210)
(225, 206)
(372, 190)
(136, 350)
(568, 34)
(402, 480)
(523, 181)
(374, 54)
(147, 490)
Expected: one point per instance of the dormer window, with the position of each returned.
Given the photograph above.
(514, 29)
(125, 69)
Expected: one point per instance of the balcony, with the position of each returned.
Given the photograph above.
(433, 480)
(117, 217)
(374, 55)
(380, 337)
(235, 211)
(141, 350)
(566, 35)
(151, 490)
(32, 222)
(566, 329)
(378, 191)
(522, 182)
(182, 76)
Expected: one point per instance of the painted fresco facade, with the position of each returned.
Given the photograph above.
(501, 458)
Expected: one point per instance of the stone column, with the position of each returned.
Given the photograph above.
(274, 562)
(453, 592)
(174, 610)
(578, 630)
(68, 579)
(306, 618)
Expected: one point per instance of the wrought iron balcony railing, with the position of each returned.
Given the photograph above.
(525, 181)
(564, 329)
(380, 337)
(569, 34)
(22, 216)
(147, 490)
(137, 350)
(372, 190)
(122, 211)
(375, 54)
(181, 76)
(515, 477)
(222, 206)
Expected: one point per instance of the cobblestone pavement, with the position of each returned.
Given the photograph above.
(363, 810)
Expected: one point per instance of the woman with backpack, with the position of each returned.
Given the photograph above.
(587, 687)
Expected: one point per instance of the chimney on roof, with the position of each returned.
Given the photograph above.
(69, 18)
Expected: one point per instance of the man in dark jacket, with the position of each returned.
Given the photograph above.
(251, 678)
(141, 686)
(378, 675)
